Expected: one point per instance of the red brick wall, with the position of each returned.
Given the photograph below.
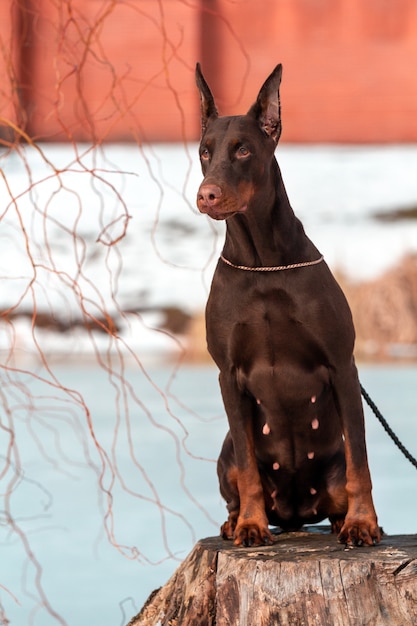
(99, 70)
(113, 71)
(8, 62)
(349, 66)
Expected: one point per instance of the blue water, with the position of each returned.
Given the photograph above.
(99, 506)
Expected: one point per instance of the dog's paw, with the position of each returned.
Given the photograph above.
(227, 530)
(359, 532)
(252, 534)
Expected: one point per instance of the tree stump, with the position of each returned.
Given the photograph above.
(304, 579)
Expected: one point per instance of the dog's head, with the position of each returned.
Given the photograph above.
(235, 151)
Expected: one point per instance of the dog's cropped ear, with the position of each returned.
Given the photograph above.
(208, 107)
(267, 108)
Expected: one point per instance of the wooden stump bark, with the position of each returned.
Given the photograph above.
(303, 579)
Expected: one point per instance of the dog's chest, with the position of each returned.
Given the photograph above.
(256, 311)
(271, 328)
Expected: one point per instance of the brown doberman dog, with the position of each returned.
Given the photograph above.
(280, 330)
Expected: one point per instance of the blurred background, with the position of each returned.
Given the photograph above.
(110, 413)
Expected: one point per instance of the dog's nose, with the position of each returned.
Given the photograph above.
(208, 196)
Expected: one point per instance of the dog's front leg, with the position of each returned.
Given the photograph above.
(252, 523)
(360, 525)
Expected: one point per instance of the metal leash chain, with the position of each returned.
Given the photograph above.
(387, 428)
(276, 268)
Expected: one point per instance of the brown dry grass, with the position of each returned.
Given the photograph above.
(385, 312)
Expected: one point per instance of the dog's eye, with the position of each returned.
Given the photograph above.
(243, 152)
(205, 155)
